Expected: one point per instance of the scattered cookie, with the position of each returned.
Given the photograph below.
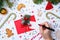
(20, 6)
(39, 13)
(9, 32)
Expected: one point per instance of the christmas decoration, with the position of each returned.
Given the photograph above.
(49, 6)
(23, 25)
(26, 19)
(22, 28)
(37, 1)
(9, 3)
(2, 24)
(55, 2)
(3, 11)
(2, 2)
(51, 14)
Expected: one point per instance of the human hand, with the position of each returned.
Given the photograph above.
(46, 34)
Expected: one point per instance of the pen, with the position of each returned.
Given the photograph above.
(46, 27)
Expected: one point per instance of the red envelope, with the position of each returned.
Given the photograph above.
(21, 28)
(32, 18)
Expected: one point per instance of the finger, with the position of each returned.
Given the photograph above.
(41, 29)
(43, 24)
(46, 24)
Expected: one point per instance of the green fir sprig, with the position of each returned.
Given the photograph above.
(55, 2)
(37, 1)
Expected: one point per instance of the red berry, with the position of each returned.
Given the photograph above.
(25, 18)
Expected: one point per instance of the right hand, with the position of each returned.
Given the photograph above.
(46, 34)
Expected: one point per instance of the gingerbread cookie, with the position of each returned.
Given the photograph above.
(9, 32)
